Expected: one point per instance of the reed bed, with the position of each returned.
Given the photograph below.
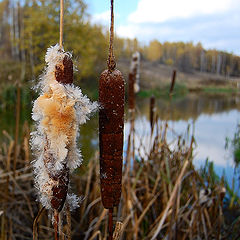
(163, 195)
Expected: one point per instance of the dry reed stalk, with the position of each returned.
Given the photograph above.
(35, 222)
(90, 167)
(26, 136)
(24, 195)
(8, 166)
(170, 202)
(140, 218)
(128, 158)
(18, 105)
(3, 227)
(60, 227)
(69, 223)
(173, 219)
(102, 216)
(111, 124)
(131, 94)
(97, 233)
(26, 150)
(118, 231)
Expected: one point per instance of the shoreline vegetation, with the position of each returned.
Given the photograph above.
(156, 80)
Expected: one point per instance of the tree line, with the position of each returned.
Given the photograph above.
(29, 27)
(189, 57)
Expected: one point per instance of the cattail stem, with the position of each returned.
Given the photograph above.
(110, 224)
(111, 124)
(111, 58)
(61, 23)
(56, 221)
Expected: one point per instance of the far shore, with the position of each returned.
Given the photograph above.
(158, 76)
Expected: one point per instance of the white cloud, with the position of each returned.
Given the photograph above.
(219, 31)
(144, 32)
(157, 11)
(215, 23)
(101, 18)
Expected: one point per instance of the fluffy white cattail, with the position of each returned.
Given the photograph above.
(58, 112)
(135, 70)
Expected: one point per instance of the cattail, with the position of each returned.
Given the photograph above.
(172, 82)
(133, 80)
(111, 124)
(58, 112)
(152, 111)
(135, 70)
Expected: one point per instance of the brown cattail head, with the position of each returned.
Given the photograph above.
(111, 124)
(152, 110)
(173, 82)
(135, 70)
(59, 179)
(60, 190)
(64, 71)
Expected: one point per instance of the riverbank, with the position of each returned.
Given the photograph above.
(155, 76)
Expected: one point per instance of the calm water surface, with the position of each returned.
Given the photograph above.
(212, 118)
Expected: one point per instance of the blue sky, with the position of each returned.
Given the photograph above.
(216, 23)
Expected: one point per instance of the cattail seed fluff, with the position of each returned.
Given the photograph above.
(58, 112)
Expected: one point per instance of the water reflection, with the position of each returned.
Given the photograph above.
(192, 106)
(213, 119)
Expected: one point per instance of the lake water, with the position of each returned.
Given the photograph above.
(212, 118)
